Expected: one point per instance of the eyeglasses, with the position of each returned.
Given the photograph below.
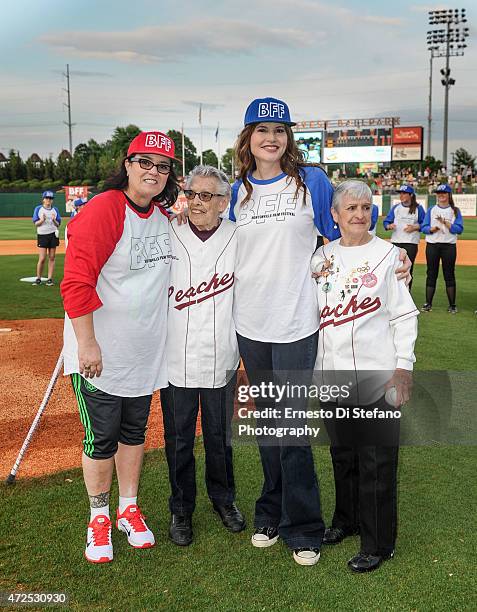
(204, 196)
(147, 164)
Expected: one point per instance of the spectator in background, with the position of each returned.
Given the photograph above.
(77, 206)
(47, 219)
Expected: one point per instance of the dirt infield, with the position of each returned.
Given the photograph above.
(466, 250)
(28, 355)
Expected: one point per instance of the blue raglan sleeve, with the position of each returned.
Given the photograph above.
(390, 217)
(58, 216)
(36, 216)
(426, 224)
(421, 213)
(374, 216)
(321, 191)
(458, 226)
(233, 200)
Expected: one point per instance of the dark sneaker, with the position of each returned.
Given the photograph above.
(37, 281)
(426, 307)
(265, 537)
(306, 556)
(452, 310)
(49, 283)
(180, 529)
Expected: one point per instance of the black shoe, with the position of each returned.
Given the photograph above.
(426, 307)
(49, 283)
(362, 562)
(180, 529)
(37, 281)
(231, 517)
(335, 535)
(452, 310)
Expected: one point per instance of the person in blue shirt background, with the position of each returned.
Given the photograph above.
(47, 219)
(442, 224)
(405, 219)
(77, 206)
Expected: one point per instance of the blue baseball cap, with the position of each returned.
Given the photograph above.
(48, 194)
(406, 189)
(444, 188)
(267, 110)
(79, 202)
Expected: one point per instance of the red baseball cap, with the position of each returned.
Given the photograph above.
(152, 142)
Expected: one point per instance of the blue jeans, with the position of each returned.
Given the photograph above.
(290, 498)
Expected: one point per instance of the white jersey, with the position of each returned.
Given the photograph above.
(201, 341)
(362, 304)
(48, 226)
(117, 267)
(402, 218)
(444, 234)
(275, 297)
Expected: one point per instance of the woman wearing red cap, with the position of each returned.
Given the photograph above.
(280, 203)
(115, 296)
(442, 224)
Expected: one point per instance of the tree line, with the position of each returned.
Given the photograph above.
(92, 162)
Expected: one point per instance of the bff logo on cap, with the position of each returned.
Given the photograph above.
(271, 109)
(155, 143)
(157, 140)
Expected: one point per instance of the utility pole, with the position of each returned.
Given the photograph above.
(68, 106)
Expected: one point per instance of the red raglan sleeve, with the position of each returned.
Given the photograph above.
(92, 237)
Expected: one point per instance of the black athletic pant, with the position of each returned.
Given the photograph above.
(411, 250)
(445, 252)
(180, 407)
(365, 475)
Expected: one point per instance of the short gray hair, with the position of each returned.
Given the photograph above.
(354, 188)
(210, 172)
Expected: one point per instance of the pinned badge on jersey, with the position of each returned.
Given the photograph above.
(369, 280)
(326, 287)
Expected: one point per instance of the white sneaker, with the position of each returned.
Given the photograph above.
(99, 548)
(265, 537)
(306, 556)
(131, 521)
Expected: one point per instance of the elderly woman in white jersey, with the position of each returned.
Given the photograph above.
(202, 353)
(405, 219)
(115, 296)
(367, 323)
(279, 203)
(442, 224)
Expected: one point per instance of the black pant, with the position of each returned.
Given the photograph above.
(180, 408)
(411, 250)
(290, 498)
(436, 252)
(365, 482)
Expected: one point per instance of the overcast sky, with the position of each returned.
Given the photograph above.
(152, 62)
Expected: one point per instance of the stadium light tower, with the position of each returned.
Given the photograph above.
(446, 42)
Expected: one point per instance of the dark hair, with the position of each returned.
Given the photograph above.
(413, 205)
(291, 161)
(452, 205)
(167, 197)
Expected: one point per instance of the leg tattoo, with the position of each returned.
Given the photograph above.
(99, 501)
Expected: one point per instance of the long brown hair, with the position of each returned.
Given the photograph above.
(413, 205)
(291, 161)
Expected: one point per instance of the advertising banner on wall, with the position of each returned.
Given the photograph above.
(341, 155)
(72, 193)
(407, 143)
(467, 202)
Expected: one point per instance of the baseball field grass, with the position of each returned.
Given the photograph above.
(23, 229)
(43, 521)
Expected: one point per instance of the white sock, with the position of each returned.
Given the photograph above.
(104, 510)
(124, 502)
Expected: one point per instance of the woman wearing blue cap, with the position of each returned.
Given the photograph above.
(442, 224)
(47, 219)
(280, 203)
(405, 219)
